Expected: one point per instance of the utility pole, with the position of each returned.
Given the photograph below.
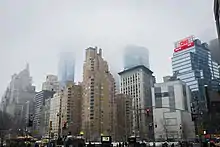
(197, 114)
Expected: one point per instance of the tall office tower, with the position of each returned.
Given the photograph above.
(192, 63)
(172, 111)
(55, 115)
(98, 96)
(123, 122)
(39, 111)
(215, 50)
(18, 93)
(46, 116)
(51, 83)
(66, 69)
(71, 109)
(216, 15)
(137, 82)
(136, 55)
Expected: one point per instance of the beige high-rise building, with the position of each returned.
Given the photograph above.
(71, 109)
(98, 96)
(55, 111)
(123, 117)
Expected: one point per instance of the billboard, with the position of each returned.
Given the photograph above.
(184, 44)
(106, 139)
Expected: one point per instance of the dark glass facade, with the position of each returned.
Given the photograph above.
(215, 49)
(194, 66)
(216, 15)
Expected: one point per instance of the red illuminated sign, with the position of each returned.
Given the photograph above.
(184, 44)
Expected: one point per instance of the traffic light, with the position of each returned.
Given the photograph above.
(148, 112)
(180, 127)
(150, 126)
(50, 125)
(30, 123)
(155, 125)
(193, 111)
(208, 102)
(65, 125)
(194, 116)
(30, 120)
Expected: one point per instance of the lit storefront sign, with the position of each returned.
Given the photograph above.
(184, 44)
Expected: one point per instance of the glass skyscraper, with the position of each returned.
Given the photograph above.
(66, 69)
(193, 64)
(135, 56)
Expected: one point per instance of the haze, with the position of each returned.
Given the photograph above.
(36, 31)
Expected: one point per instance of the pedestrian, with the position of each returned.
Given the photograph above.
(36, 145)
(212, 144)
(180, 144)
(89, 145)
(165, 144)
(172, 145)
(119, 144)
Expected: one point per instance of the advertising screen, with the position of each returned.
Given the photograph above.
(106, 139)
(184, 44)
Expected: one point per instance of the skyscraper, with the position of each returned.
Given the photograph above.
(193, 64)
(39, 113)
(136, 55)
(137, 82)
(98, 96)
(71, 109)
(56, 114)
(66, 69)
(18, 94)
(215, 50)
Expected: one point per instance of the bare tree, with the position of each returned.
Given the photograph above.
(184, 130)
(187, 130)
(164, 129)
(6, 123)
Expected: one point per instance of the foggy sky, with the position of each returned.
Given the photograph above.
(36, 31)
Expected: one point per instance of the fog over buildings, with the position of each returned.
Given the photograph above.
(66, 68)
(37, 31)
(136, 55)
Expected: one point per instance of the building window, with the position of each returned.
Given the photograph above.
(158, 95)
(165, 94)
(171, 121)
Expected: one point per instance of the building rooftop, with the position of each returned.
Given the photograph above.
(92, 48)
(171, 82)
(136, 67)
